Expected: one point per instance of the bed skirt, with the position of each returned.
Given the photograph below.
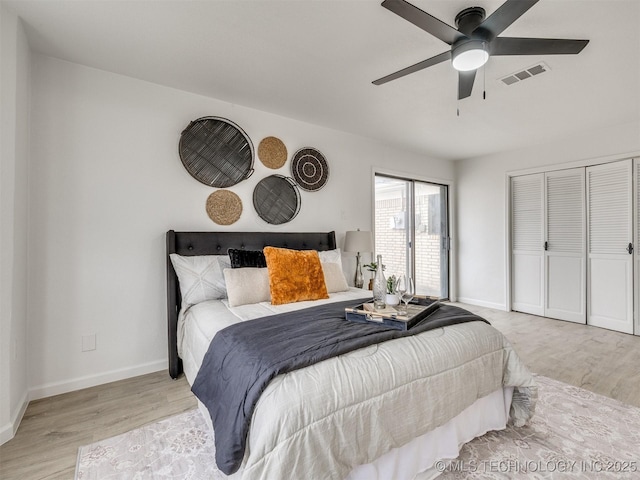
(417, 459)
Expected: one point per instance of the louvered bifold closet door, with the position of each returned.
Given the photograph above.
(527, 253)
(610, 246)
(565, 247)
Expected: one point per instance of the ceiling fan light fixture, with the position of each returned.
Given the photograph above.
(469, 56)
(476, 38)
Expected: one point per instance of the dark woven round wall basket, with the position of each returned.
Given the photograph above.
(309, 168)
(276, 199)
(216, 152)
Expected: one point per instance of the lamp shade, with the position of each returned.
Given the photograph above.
(358, 241)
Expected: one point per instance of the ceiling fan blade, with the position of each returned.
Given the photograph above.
(465, 83)
(504, 16)
(536, 46)
(414, 68)
(422, 19)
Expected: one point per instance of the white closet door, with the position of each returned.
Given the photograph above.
(565, 259)
(610, 264)
(527, 254)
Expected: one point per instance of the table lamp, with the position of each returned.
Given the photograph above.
(358, 241)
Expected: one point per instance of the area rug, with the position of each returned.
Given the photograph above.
(575, 434)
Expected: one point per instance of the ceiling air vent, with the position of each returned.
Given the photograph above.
(528, 72)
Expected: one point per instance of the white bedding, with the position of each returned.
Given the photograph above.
(198, 325)
(324, 420)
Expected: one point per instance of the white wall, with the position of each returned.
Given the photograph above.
(14, 121)
(106, 184)
(481, 203)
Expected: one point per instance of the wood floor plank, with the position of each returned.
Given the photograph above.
(596, 359)
(46, 444)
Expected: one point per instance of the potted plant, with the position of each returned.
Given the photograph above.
(372, 267)
(392, 297)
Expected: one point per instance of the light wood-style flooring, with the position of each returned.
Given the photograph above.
(47, 441)
(46, 444)
(596, 359)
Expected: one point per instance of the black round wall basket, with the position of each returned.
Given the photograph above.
(309, 169)
(276, 199)
(216, 152)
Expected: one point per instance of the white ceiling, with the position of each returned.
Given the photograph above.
(315, 61)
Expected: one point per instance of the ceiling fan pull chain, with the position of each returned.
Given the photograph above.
(484, 83)
(484, 76)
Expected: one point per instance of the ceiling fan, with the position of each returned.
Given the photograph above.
(476, 39)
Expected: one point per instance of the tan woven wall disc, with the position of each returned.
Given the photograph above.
(272, 152)
(224, 207)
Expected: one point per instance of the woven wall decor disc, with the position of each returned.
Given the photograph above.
(224, 207)
(309, 168)
(272, 152)
(276, 199)
(216, 152)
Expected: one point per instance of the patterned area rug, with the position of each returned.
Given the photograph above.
(179, 447)
(575, 434)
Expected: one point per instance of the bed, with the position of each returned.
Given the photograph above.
(389, 410)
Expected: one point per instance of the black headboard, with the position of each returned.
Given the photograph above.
(217, 243)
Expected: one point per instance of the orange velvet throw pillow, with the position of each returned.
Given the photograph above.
(294, 275)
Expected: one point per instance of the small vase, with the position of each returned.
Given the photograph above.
(392, 299)
(379, 286)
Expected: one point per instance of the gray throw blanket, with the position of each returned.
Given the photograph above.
(244, 357)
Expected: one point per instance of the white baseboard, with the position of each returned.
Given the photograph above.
(56, 388)
(8, 431)
(482, 303)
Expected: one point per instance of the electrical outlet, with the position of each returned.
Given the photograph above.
(88, 342)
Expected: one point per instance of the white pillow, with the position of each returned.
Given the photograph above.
(334, 277)
(247, 285)
(200, 277)
(331, 256)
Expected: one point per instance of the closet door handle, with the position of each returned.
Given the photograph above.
(630, 248)
(546, 245)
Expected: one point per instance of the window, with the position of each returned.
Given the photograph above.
(412, 231)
